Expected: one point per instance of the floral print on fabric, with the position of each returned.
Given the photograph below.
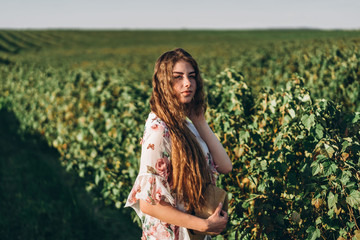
(153, 183)
(163, 167)
(151, 189)
(214, 173)
(158, 230)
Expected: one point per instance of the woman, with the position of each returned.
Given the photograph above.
(179, 158)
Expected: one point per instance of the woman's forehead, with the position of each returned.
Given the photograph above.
(183, 67)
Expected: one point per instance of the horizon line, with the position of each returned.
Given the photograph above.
(180, 29)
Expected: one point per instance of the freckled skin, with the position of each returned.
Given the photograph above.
(184, 83)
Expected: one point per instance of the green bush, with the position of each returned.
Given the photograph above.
(296, 162)
(294, 144)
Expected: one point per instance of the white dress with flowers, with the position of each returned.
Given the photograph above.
(152, 183)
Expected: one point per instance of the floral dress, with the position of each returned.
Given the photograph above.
(152, 183)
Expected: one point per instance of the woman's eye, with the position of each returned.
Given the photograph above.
(180, 77)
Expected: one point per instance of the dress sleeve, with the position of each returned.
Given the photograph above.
(152, 183)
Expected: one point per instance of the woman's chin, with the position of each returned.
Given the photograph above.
(186, 100)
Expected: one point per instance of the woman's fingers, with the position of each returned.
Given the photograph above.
(217, 221)
(218, 209)
(224, 214)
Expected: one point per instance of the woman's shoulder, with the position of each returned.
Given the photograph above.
(153, 122)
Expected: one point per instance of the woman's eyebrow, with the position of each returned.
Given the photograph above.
(183, 73)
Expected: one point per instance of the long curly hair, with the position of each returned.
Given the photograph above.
(190, 173)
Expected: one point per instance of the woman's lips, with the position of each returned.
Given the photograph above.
(186, 93)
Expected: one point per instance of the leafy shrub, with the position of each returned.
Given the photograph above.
(295, 152)
(296, 162)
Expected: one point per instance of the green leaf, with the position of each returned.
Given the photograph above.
(350, 224)
(80, 136)
(263, 164)
(331, 213)
(332, 200)
(316, 234)
(226, 126)
(106, 194)
(321, 158)
(244, 136)
(308, 121)
(115, 191)
(97, 178)
(245, 204)
(272, 105)
(329, 168)
(313, 233)
(342, 232)
(356, 118)
(329, 150)
(305, 98)
(319, 131)
(300, 136)
(345, 178)
(304, 167)
(261, 187)
(353, 199)
(344, 145)
(118, 204)
(315, 168)
(291, 113)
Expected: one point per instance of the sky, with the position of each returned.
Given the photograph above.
(185, 14)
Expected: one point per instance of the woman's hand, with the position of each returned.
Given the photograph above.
(217, 222)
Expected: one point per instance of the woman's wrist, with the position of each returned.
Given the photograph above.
(203, 225)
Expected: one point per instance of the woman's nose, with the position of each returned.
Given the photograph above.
(187, 82)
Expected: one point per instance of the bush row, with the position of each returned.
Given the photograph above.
(296, 158)
(296, 161)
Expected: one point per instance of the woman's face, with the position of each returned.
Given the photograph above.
(184, 83)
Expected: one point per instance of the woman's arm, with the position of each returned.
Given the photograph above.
(217, 151)
(163, 211)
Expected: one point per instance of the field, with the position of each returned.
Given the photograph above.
(284, 103)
